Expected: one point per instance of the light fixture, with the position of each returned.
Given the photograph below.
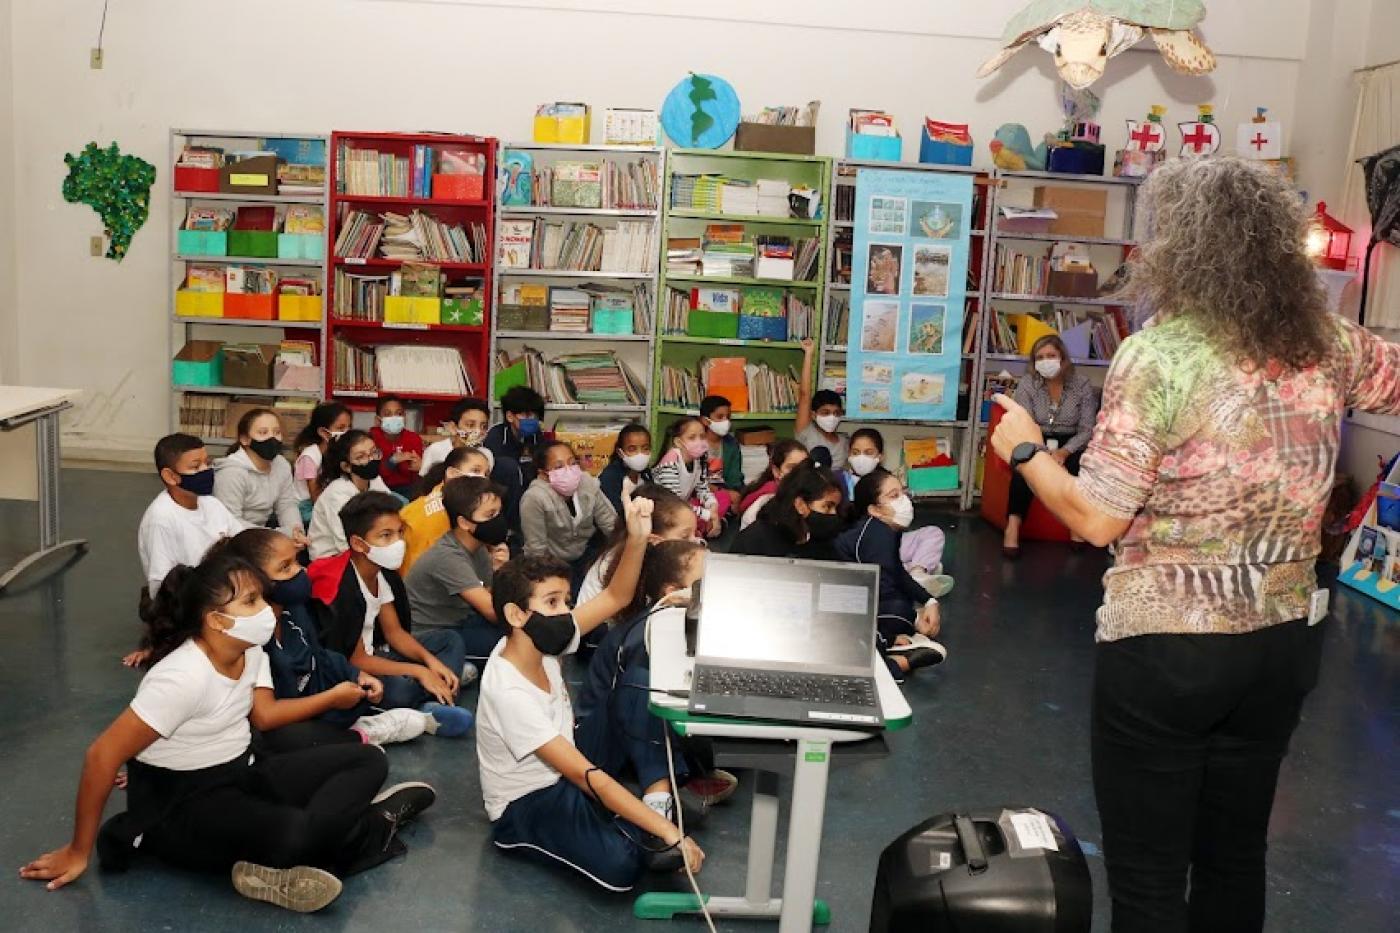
(1329, 240)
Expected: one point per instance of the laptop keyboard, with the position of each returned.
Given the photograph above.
(808, 688)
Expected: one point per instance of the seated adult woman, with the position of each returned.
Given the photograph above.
(800, 520)
(1064, 403)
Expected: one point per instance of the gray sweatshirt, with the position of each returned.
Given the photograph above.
(549, 527)
(255, 496)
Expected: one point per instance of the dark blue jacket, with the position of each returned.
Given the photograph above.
(302, 668)
(514, 468)
(871, 541)
(611, 480)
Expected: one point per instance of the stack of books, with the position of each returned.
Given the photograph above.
(568, 310)
(772, 198)
(799, 317)
(684, 255)
(369, 172)
(203, 415)
(770, 390)
(838, 320)
(295, 178)
(628, 247)
(739, 198)
(775, 257)
(631, 187)
(845, 203)
(1020, 274)
(353, 367)
(805, 267)
(419, 369)
(200, 157)
(673, 320)
(577, 184)
(697, 192)
(359, 235)
(680, 388)
(423, 236)
(359, 297)
(600, 379)
(725, 252)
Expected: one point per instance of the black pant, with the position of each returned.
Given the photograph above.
(309, 733)
(1019, 498)
(1189, 732)
(308, 807)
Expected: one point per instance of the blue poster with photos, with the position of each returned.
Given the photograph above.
(908, 292)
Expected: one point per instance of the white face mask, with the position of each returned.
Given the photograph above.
(720, 427)
(828, 423)
(1048, 368)
(389, 556)
(255, 629)
(861, 464)
(903, 510)
(636, 462)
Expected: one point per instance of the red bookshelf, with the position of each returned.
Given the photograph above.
(401, 178)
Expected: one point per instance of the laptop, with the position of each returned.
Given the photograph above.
(787, 640)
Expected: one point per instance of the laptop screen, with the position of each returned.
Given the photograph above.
(819, 613)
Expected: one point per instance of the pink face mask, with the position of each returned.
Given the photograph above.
(565, 480)
(697, 448)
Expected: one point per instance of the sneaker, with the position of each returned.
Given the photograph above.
(376, 841)
(394, 725)
(715, 787)
(921, 651)
(452, 721)
(402, 803)
(302, 889)
(942, 585)
(470, 675)
(659, 857)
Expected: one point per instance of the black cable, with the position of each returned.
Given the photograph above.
(103, 27)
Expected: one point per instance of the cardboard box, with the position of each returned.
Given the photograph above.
(295, 415)
(757, 436)
(940, 152)
(933, 479)
(199, 304)
(1073, 284)
(234, 413)
(880, 148)
(522, 317)
(718, 324)
(298, 307)
(593, 445)
(576, 130)
(753, 327)
(249, 365)
(250, 307)
(401, 309)
(1081, 210)
(257, 175)
(296, 378)
(199, 363)
(764, 137)
(197, 179)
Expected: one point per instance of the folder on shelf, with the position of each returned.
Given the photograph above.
(508, 377)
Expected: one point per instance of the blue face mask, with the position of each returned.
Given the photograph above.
(201, 483)
(392, 424)
(529, 427)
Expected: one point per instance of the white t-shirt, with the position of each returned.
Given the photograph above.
(592, 584)
(373, 604)
(171, 534)
(326, 536)
(201, 715)
(513, 719)
(308, 465)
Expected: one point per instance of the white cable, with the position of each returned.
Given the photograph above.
(680, 824)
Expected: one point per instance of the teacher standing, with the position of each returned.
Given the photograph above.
(1210, 466)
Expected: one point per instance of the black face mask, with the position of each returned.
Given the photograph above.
(291, 592)
(201, 483)
(823, 526)
(493, 531)
(365, 471)
(267, 448)
(551, 634)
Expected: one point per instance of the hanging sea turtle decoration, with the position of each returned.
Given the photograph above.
(1084, 34)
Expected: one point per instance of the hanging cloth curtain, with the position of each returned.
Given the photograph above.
(1375, 131)
(1382, 172)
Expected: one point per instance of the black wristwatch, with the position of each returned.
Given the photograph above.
(1023, 453)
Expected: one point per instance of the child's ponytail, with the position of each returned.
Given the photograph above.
(175, 613)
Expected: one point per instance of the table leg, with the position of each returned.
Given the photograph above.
(763, 839)
(46, 443)
(804, 834)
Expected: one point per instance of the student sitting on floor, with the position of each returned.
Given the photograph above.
(424, 520)
(196, 797)
(564, 509)
(546, 799)
(684, 469)
(371, 624)
(255, 481)
(512, 443)
(304, 671)
(449, 588)
(401, 450)
(783, 457)
(801, 520)
(672, 519)
(466, 427)
(908, 616)
(629, 465)
(613, 695)
(726, 460)
(329, 420)
(350, 467)
(819, 413)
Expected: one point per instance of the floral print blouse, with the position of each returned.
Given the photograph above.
(1225, 473)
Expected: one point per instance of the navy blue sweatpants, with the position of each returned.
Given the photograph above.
(622, 732)
(561, 825)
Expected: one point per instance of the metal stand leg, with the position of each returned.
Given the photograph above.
(763, 840)
(46, 444)
(804, 834)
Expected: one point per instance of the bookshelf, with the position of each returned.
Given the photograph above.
(834, 344)
(199, 401)
(692, 203)
(388, 318)
(575, 277)
(1107, 253)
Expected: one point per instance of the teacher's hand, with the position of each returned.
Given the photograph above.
(1016, 427)
(1061, 455)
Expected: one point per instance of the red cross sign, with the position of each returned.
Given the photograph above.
(1146, 137)
(1197, 139)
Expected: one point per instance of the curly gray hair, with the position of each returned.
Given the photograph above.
(1227, 248)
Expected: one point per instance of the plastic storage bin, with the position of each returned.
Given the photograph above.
(712, 324)
(399, 309)
(202, 242)
(752, 327)
(190, 178)
(463, 312)
(199, 363)
(250, 307)
(936, 152)
(199, 304)
(884, 148)
(612, 320)
(310, 246)
(575, 130)
(933, 479)
(254, 244)
(299, 307)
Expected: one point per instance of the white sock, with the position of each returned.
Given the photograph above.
(660, 801)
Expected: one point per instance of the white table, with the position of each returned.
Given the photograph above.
(797, 908)
(21, 406)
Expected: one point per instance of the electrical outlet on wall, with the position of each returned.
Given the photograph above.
(96, 60)
(97, 246)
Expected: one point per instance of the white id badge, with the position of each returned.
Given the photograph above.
(1317, 606)
(1053, 443)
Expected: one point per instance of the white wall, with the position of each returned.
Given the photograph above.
(315, 65)
(9, 316)
(1383, 36)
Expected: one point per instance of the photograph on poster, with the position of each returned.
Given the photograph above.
(937, 220)
(879, 323)
(875, 401)
(931, 270)
(926, 327)
(886, 263)
(922, 388)
(881, 374)
(889, 215)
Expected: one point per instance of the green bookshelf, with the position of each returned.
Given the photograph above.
(677, 348)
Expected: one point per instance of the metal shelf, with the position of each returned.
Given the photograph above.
(379, 262)
(735, 415)
(585, 147)
(734, 342)
(577, 211)
(740, 280)
(269, 198)
(396, 325)
(685, 213)
(241, 322)
(1056, 238)
(570, 335)
(1073, 179)
(250, 261)
(238, 390)
(576, 274)
(1059, 300)
(410, 200)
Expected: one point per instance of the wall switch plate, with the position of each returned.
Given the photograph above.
(97, 246)
(96, 60)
